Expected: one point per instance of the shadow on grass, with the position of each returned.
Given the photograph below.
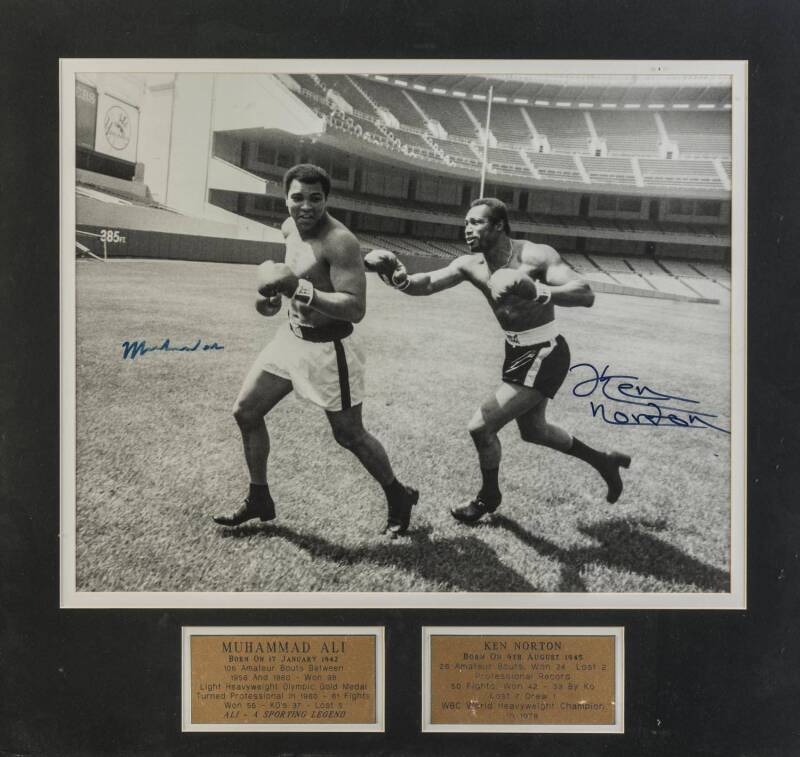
(464, 563)
(624, 545)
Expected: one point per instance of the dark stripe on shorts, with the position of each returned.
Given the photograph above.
(344, 374)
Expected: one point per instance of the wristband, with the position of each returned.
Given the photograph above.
(304, 292)
(543, 293)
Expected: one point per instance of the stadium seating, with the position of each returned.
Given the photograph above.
(703, 138)
(700, 134)
(707, 288)
(459, 153)
(627, 133)
(631, 279)
(504, 159)
(645, 266)
(578, 262)
(566, 130)
(597, 275)
(394, 100)
(558, 167)
(609, 170)
(342, 86)
(660, 173)
(449, 113)
(508, 125)
(681, 268)
(670, 285)
(715, 272)
(401, 244)
(611, 264)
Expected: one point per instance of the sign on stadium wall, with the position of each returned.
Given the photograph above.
(117, 132)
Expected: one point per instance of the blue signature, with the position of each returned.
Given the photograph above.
(132, 350)
(657, 408)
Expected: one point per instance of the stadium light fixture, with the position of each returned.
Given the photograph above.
(401, 82)
(520, 101)
(563, 105)
(680, 106)
(608, 105)
(459, 93)
(421, 87)
(499, 99)
(478, 97)
(380, 77)
(632, 106)
(706, 106)
(439, 91)
(656, 106)
(586, 105)
(541, 102)
(727, 106)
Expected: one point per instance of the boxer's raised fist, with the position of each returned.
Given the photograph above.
(269, 305)
(275, 278)
(387, 265)
(509, 281)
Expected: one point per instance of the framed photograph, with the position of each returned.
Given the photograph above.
(555, 418)
(637, 169)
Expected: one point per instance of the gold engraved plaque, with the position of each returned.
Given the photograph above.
(283, 679)
(523, 679)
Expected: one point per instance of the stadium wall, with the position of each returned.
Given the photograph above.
(168, 246)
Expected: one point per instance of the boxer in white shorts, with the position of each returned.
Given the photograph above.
(329, 374)
(521, 281)
(315, 354)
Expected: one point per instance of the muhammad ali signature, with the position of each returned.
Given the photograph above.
(132, 350)
(652, 408)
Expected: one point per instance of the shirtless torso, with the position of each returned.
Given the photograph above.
(330, 259)
(514, 313)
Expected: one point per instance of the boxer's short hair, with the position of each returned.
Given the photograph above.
(307, 173)
(497, 211)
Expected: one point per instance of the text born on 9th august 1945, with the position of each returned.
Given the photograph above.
(522, 680)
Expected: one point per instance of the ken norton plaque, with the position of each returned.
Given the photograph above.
(523, 680)
(283, 679)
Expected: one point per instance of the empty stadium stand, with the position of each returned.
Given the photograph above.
(448, 111)
(627, 133)
(566, 130)
(609, 170)
(509, 126)
(629, 136)
(701, 135)
(659, 173)
(557, 167)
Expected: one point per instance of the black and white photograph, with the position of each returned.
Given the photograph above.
(404, 334)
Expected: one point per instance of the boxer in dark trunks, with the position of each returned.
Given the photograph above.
(522, 281)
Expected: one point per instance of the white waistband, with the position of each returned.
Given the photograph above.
(545, 333)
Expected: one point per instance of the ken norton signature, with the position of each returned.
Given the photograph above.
(652, 408)
(132, 350)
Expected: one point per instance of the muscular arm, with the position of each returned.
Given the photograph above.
(423, 284)
(560, 286)
(567, 289)
(348, 300)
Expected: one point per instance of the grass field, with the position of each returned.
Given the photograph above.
(159, 452)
